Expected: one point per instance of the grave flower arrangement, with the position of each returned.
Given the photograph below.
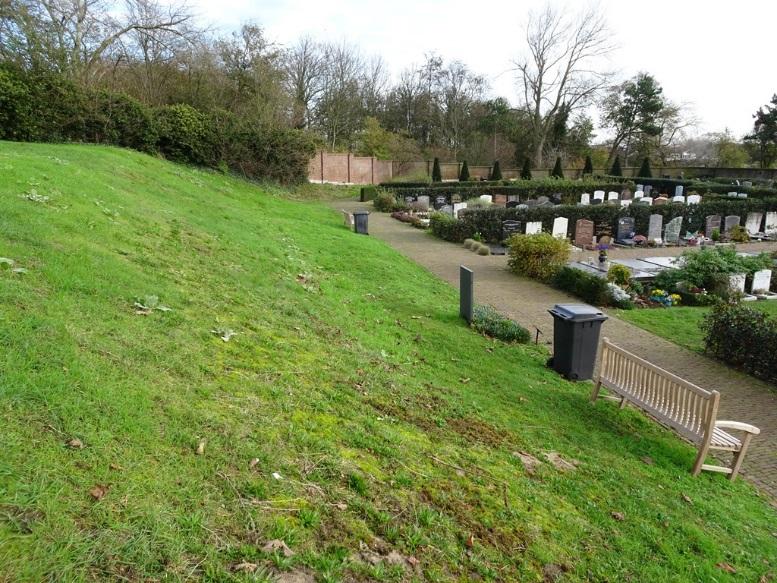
(664, 298)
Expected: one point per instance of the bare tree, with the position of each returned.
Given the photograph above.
(556, 74)
(303, 64)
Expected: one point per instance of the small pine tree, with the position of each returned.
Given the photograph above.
(436, 173)
(464, 174)
(616, 167)
(496, 171)
(644, 170)
(526, 170)
(557, 171)
(589, 166)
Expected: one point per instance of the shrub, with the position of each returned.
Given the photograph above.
(368, 193)
(558, 171)
(588, 287)
(488, 321)
(738, 234)
(644, 170)
(616, 167)
(619, 274)
(384, 202)
(526, 170)
(589, 166)
(483, 249)
(618, 297)
(464, 174)
(468, 243)
(436, 172)
(538, 256)
(446, 227)
(496, 171)
(743, 337)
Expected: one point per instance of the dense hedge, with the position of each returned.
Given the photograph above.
(48, 108)
(488, 222)
(743, 337)
(667, 186)
(469, 183)
(589, 287)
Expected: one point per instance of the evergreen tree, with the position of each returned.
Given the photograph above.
(644, 170)
(464, 174)
(557, 172)
(616, 167)
(436, 173)
(496, 171)
(526, 170)
(589, 166)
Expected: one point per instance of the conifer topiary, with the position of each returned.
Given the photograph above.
(436, 173)
(496, 171)
(589, 166)
(526, 170)
(644, 170)
(616, 167)
(557, 171)
(464, 174)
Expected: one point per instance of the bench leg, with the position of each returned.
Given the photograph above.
(595, 393)
(700, 459)
(623, 403)
(739, 457)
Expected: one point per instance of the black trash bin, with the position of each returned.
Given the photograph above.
(360, 220)
(575, 339)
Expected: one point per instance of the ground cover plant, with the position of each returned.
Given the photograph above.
(203, 380)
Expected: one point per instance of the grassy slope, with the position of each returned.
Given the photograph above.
(681, 325)
(350, 375)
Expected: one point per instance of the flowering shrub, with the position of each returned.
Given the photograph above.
(619, 297)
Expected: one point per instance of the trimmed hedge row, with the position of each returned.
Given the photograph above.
(667, 186)
(468, 183)
(488, 222)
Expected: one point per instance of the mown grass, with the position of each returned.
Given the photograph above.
(682, 324)
(352, 414)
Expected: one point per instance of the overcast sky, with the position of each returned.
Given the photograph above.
(717, 56)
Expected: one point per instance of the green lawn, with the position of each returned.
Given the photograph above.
(681, 325)
(352, 415)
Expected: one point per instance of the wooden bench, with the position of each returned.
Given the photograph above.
(682, 406)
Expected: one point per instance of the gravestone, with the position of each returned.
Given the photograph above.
(747, 184)
(423, 200)
(584, 233)
(625, 233)
(512, 204)
(534, 227)
(694, 199)
(771, 223)
(678, 190)
(639, 193)
(447, 209)
(646, 200)
(440, 201)
(626, 194)
(659, 200)
(731, 222)
(732, 194)
(736, 282)
(711, 223)
(510, 228)
(626, 202)
(466, 293)
(672, 233)
(487, 198)
(603, 232)
(410, 199)
(560, 227)
(458, 206)
(585, 199)
(597, 201)
(762, 281)
(753, 223)
(680, 199)
(648, 189)
(599, 195)
(641, 187)
(654, 228)
(741, 195)
(612, 196)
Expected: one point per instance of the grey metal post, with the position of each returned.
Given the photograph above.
(466, 293)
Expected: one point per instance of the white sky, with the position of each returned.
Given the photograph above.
(718, 56)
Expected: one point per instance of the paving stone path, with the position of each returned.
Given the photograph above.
(743, 398)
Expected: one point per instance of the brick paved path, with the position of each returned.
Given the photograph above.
(743, 398)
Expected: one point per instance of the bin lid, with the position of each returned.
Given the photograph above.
(577, 312)
(360, 212)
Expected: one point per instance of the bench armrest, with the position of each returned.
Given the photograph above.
(737, 425)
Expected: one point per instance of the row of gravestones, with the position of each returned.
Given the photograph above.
(760, 286)
(640, 196)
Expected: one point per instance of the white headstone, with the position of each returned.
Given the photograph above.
(732, 194)
(736, 282)
(771, 223)
(423, 200)
(486, 198)
(678, 190)
(762, 281)
(458, 206)
(585, 199)
(641, 187)
(599, 194)
(753, 223)
(678, 198)
(646, 200)
(612, 195)
(639, 193)
(560, 227)
(694, 199)
(741, 195)
(625, 202)
(447, 209)
(534, 228)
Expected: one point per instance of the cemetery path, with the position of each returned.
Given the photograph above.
(743, 398)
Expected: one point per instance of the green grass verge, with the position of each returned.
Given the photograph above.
(351, 410)
(682, 325)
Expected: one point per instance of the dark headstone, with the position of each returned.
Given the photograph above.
(711, 223)
(440, 201)
(584, 233)
(510, 228)
(466, 293)
(625, 233)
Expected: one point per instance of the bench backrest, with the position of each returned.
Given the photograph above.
(686, 408)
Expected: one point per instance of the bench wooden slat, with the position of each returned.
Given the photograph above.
(685, 408)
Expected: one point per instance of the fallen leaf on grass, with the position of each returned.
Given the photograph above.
(98, 492)
(530, 463)
(464, 381)
(560, 463)
(75, 443)
(618, 515)
(116, 467)
(245, 567)
(277, 545)
(470, 542)
(647, 460)
(253, 463)
(201, 447)
(225, 334)
(726, 567)
(687, 498)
